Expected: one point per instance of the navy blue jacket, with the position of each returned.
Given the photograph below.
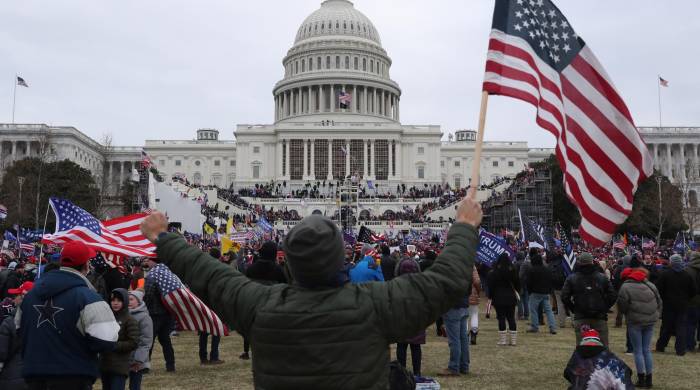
(64, 323)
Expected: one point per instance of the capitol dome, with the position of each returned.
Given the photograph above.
(337, 70)
(337, 17)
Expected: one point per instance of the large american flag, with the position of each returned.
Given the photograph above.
(535, 55)
(120, 236)
(189, 311)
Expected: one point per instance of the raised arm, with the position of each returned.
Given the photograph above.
(408, 304)
(226, 291)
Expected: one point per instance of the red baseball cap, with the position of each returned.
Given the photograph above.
(76, 253)
(23, 288)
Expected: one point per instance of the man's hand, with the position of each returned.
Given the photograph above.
(154, 225)
(469, 210)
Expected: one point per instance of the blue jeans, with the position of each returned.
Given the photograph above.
(535, 301)
(458, 339)
(214, 354)
(135, 378)
(640, 337)
(113, 382)
(523, 307)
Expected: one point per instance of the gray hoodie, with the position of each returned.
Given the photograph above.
(140, 314)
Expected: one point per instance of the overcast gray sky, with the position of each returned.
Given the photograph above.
(160, 69)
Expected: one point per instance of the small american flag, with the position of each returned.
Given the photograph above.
(662, 82)
(619, 244)
(120, 236)
(648, 244)
(344, 99)
(21, 82)
(189, 311)
(536, 56)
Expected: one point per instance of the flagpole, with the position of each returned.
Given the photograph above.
(14, 99)
(658, 86)
(479, 141)
(41, 248)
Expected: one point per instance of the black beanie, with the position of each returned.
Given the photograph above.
(315, 251)
(268, 251)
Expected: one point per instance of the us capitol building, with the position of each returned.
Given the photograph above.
(337, 113)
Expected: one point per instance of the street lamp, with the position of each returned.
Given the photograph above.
(20, 180)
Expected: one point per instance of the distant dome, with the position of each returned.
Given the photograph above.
(337, 17)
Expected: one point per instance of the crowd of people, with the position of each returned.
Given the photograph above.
(109, 318)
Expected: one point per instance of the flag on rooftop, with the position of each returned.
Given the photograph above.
(662, 82)
(535, 55)
(189, 312)
(119, 236)
(21, 82)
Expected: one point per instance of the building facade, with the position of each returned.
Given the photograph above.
(337, 113)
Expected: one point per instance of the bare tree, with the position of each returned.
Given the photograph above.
(46, 154)
(106, 185)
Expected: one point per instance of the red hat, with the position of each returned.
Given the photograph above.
(76, 253)
(23, 288)
(590, 338)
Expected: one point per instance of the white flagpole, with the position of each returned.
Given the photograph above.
(658, 84)
(14, 99)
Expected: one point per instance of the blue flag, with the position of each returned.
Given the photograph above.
(679, 245)
(490, 247)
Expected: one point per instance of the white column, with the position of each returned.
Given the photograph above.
(283, 96)
(364, 106)
(279, 160)
(656, 154)
(300, 105)
(365, 174)
(308, 101)
(330, 160)
(121, 174)
(669, 162)
(347, 157)
(313, 159)
(696, 167)
(14, 150)
(398, 108)
(354, 96)
(332, 97)
(372, 160)
(321, 99)
(399, 160)
(374, 101)
(305, 164)
(382, 109)
(391, 166)
(286, 163)
(681, 166)
(110, 180)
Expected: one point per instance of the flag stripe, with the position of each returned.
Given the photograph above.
(601, 154)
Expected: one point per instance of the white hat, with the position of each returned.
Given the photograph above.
(12, 266)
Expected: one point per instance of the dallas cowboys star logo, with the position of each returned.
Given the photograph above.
(47, 313)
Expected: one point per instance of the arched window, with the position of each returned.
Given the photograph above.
(197, 178)
(303, 65)
(337, 25)
(371, 66)
(364, 64)
(296, 67)
(337, 62)
(352, 26)
(311, 64)
(318, 63)
(356, 62)
(328, 62)
(347, 62)
(345, 26)
(323, 25)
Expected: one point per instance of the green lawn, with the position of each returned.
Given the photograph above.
(536, 363)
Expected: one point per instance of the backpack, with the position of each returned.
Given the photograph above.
(400, 378)
(589, 297)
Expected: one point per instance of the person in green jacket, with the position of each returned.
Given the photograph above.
(318, 332)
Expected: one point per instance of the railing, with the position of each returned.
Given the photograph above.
(669, 130)
(317, 201)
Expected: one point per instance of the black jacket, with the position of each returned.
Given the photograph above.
(11, 356)
(539, 280)
(676, 288)
(152, 298)
(266, 272)
(588, 293)
(556, 268)
(388, 264)
(502, 286)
